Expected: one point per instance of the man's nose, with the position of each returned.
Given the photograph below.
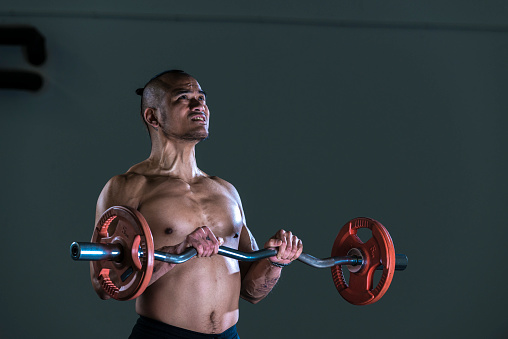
(196, 105)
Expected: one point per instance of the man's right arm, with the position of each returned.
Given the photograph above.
(121, 190)
(127, 190)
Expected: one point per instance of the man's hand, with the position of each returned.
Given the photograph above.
(203, 240)
(288, 246)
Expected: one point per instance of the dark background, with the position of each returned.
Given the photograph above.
(320, 113)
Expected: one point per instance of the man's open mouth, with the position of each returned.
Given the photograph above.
(198, 117)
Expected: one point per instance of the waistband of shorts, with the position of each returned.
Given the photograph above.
(158, 325)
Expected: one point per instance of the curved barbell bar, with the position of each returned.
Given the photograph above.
(88, 251)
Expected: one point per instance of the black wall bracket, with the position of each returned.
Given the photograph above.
(34, 46)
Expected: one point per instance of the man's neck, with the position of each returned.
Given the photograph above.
(176, 158)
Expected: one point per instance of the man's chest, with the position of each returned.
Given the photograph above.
(174, 209)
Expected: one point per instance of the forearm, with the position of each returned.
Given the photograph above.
(259, 280)
(160, 268)
(202, 239)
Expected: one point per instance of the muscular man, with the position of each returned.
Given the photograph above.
(186, 207)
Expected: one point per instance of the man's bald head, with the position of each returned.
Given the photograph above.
(156, 88)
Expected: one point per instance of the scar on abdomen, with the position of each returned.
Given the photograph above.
(168, 230)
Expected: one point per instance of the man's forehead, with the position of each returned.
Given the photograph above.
(178, 82)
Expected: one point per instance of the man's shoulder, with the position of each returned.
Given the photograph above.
(127, 179)
(129, 183)
(226, 185)
(221, 182)
(123, 189)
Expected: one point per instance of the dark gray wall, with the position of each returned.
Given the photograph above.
(392, 110)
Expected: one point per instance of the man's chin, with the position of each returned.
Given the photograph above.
(196, 137)
(203, 138)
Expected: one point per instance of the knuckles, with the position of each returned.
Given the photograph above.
(291, 246)
(204, 241)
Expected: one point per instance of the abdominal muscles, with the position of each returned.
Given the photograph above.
(200, 295)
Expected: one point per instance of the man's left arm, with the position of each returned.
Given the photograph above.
(260, 277)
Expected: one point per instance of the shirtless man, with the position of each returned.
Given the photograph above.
(187, 207)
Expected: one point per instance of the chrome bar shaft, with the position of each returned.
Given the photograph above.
(91, 251)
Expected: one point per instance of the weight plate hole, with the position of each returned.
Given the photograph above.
(112, 227)
(364, 234)
(377, 278)
(127, 274)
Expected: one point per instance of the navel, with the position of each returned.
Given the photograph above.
(168, 230)
(236, 235)
(213, 322)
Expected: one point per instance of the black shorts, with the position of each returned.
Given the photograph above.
(147, 328)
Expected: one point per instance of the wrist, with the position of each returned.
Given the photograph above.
(276, 264)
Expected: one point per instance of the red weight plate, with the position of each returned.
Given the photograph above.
(128, 278)
(378, 250)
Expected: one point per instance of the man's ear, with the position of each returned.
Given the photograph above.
(150, 117)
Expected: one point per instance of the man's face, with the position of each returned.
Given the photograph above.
(184, 113)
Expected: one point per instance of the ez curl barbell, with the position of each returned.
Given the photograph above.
(123, 256)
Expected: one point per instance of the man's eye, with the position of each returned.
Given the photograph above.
(202, 98)
(182, 97)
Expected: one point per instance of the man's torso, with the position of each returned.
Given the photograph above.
(202, 294)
